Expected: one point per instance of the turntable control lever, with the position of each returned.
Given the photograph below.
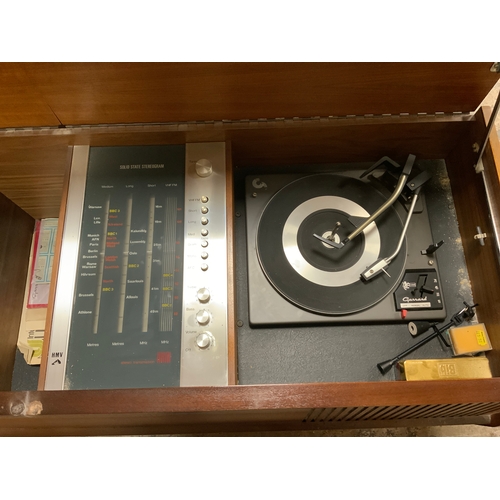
(422, 278)
(431, 248)
(420, 286)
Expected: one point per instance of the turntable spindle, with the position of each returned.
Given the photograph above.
(334, 231)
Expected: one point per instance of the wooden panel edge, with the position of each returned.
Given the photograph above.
(17, 235)
(231, 289)
(257, 397)
(472, 211)
(135, 92)
(55, 270)
(147, 424)
(491, 164)
(495, 420)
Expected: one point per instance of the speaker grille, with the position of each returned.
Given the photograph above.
(364, 413)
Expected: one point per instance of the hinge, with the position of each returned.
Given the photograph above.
(480, 235)
(243, 122)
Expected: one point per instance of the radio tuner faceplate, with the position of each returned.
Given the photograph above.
(204, 361)
(142, 272)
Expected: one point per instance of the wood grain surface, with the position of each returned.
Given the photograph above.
(33, 164)
(472, 211)
(37, 94)
(201, 409)
(32, 173)
(16, 230)
(21, 104)
(157, 424)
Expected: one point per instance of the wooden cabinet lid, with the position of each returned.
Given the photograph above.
(48, 94)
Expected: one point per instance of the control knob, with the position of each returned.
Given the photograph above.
(203, 295)
(204, 167)
(204, 340)
(203, 317)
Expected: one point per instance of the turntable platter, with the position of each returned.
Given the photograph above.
(316, 276)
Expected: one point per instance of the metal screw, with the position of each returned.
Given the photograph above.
(239, 323)
(254, 195)
(431, 262)
(412, 184)
(237, 214)
(17, 409)
(475, 147)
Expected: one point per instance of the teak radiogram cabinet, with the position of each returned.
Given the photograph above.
(279, 113)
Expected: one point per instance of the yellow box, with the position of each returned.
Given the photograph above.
(445, 369)
(470, 339)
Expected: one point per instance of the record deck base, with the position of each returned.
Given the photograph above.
(329, 348)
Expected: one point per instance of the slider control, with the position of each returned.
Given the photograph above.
(420, 286)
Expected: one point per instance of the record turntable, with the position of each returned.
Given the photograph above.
(351, 246)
